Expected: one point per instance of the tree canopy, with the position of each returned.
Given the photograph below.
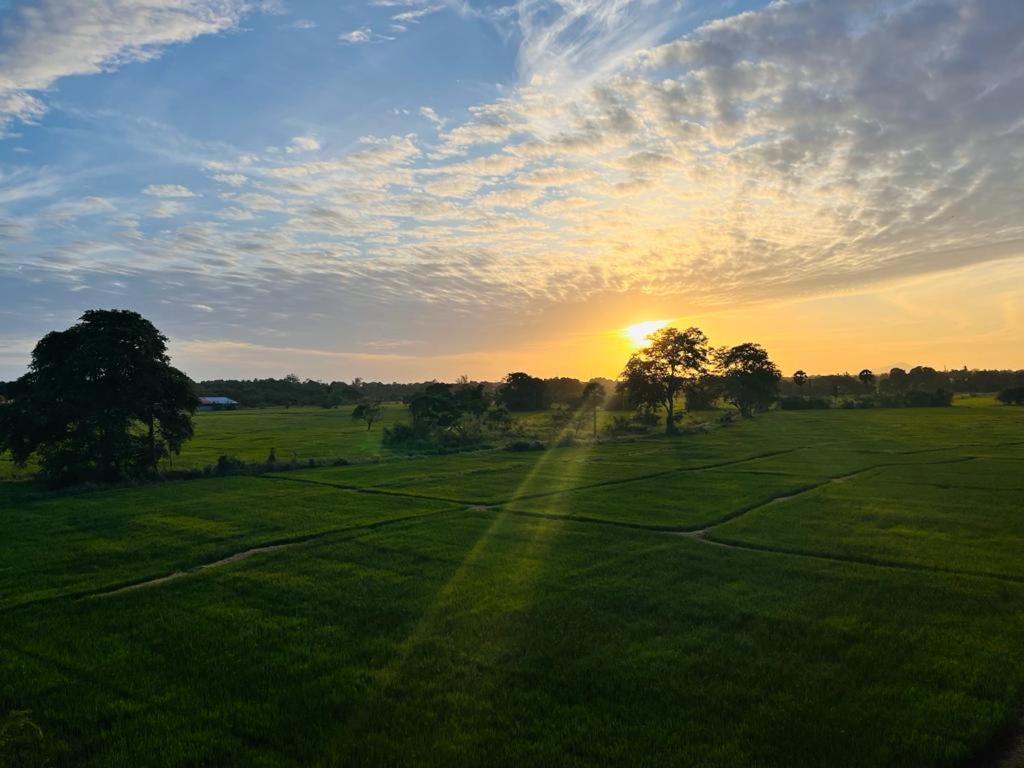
(522, 392)
(751, 378)
(100, 401)
(655, 375)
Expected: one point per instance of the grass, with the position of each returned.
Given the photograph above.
(480, 609)
(299, 433)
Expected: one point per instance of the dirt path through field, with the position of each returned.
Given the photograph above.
(215, 564)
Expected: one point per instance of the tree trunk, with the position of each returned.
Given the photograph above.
(670, 419)
(152, 443)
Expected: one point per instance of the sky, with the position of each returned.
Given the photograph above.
(417, 189)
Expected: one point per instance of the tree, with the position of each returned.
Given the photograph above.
(367, 412)
(522, 392)
(100, 401)
(800, 378)
(656, 374)
(897, 381)
(867, 378)
(593, 395)
(751, 378)
(1011, 396)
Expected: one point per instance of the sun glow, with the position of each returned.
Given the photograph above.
(638, 332)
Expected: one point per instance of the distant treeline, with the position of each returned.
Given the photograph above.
(521, 392)
(899, 380)
(518, 391)
(293, 391)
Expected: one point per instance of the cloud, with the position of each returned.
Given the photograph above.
(800, 148)
(431, 115)
(168, 190)
(362, 35)
(303, 144)
(166, 210)
(413, 16)
(42, 42)
(303, 24)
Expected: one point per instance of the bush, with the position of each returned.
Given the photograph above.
(526, 445)
(856, 403)
(915, 398)
(918, 399)
(624, 425)
(1011, 396)
(646, 417)
(229, 465)
(797, 403)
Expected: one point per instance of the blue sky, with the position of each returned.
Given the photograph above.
(408, 189)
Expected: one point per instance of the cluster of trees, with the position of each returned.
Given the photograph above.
(100, 401)
(920, 386)
(896, 381)
(450, 416)
(520, 392)
(683, 365)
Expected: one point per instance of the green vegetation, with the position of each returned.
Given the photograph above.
(837, 587)
(100, 401)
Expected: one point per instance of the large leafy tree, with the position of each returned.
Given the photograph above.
(522, 392)
(751, 378)
(657, 374)
(100, 401)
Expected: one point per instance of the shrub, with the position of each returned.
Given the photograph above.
(856, 403)
(646, 417)
(1011, 396)
(918, 399)
(525, 445)
(229, 465)
(797, 403)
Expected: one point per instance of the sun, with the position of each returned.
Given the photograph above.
(638, 332)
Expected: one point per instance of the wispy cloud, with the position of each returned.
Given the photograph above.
(363, 35)
(44, 41)
(168, 190)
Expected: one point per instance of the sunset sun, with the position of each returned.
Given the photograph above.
(638, 332)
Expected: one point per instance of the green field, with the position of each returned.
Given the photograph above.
(819, 588)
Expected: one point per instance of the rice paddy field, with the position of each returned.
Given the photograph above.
(819, 588)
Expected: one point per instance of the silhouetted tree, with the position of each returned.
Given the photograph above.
(367, 412)
(1011, 396)
(867, 378)
(656, 374)
(593, 396)
(800, 378)
(897, 381)
(522, 392)
(100, 401)
(751, 378)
